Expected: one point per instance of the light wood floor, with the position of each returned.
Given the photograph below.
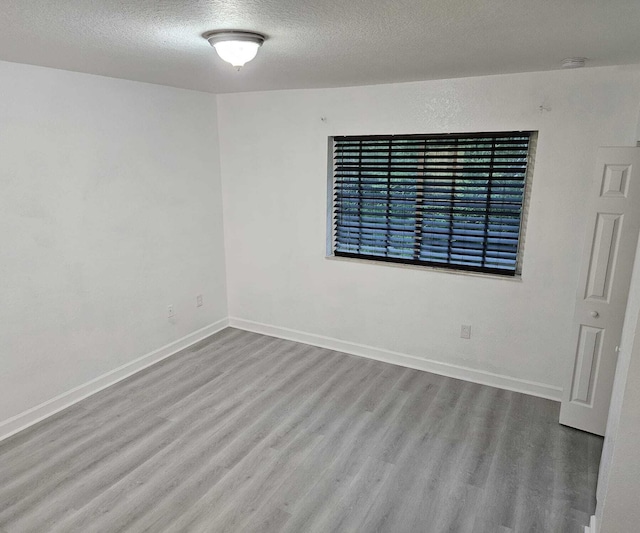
(247, 433)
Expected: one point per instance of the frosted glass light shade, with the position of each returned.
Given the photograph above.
(237, 52)
(235, 46)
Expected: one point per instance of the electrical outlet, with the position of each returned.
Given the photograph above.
(199, 300)
(170, 312)
(465, 331)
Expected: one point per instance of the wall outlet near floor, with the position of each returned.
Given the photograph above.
(199, 300)
(465, 331)
(170, 313)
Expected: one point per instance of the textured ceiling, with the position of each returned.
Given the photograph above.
(317, 43)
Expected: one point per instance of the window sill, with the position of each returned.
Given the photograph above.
(517, 278)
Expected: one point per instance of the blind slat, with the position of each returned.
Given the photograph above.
(449, 200)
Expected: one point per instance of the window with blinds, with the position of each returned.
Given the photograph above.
(453, 200)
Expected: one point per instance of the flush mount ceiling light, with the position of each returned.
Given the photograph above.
(574, 62)
(235, 46)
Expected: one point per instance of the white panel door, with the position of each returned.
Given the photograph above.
(607, 261)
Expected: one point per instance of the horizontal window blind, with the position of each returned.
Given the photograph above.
(452, 200)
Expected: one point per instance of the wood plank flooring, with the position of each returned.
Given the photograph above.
(248, 433)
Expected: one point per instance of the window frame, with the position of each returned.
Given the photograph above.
(331, 251)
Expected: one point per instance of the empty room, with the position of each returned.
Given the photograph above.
(314, 267)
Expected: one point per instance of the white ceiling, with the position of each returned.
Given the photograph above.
(317, 43)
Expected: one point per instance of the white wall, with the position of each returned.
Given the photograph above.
(273, 149)
(619, 479)
(110, 210)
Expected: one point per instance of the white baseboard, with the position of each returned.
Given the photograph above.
(445, 369)
(50, 407)
(591, 528)
(31, 416)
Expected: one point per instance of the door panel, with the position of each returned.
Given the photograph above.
(607, 261)
(603, 256)
(589, 344)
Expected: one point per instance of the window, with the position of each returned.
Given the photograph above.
(453, 201)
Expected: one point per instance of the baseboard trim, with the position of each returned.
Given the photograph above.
(46, 409)
(591, 528)
(445, 369)
(34, 415)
